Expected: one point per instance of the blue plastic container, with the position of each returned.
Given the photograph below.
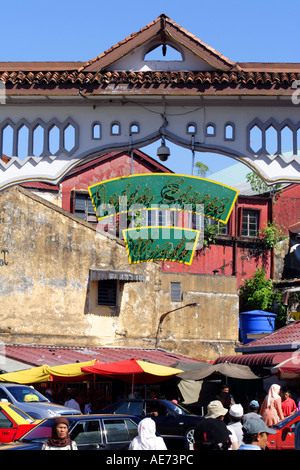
(255, 322)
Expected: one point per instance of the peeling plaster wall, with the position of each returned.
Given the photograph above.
(208, 330)
(45, 285)
(46, 296)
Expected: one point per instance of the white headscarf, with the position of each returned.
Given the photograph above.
(273, 394)
(147, 439)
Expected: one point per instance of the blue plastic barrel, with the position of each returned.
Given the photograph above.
(255, 322)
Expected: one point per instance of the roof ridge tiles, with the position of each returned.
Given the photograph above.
(130, 77)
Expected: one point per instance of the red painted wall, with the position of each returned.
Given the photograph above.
(287, 206)
(221, 259)
(232, 254)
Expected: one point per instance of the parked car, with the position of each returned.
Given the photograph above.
(169, 417)
(284, 439)
(93, 432)
(32, 402)
(14, 423)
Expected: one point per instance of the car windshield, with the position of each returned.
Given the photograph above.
(26, 394)
(178, 409)
(41, 432)
(287, 421)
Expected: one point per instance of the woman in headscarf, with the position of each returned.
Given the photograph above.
(60, 439)
(147, 438)
(271, 410)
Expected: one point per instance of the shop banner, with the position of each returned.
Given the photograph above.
(161, 244)
(163, 191)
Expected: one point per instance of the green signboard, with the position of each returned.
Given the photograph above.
(163, 190)
(161, 244)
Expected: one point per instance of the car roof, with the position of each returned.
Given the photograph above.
(5, 384)
(91, 416)
(96, 415)
(145, 399)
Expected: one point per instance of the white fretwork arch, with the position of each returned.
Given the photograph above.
(202, 96)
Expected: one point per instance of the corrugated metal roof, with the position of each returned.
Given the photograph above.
(52, 355)
(98, 274)
(39, 185)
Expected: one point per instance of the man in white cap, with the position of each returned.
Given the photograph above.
(255, 434)
(236, 414)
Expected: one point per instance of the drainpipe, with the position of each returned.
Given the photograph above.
(234, 245)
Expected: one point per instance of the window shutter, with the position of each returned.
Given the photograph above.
(175, 291)
(107, 293)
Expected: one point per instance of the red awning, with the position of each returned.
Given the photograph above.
(259, 359)
(290, 368)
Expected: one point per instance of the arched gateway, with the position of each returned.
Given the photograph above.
(55, 114)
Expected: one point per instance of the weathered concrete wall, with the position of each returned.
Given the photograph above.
(206, 331)
(46, 296)
(45, 284)
(211, 328)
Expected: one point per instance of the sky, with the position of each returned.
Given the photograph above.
(68, 30)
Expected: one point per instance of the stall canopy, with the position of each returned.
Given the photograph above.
(191, 382)
(228, 369)
(185, 366)
(44, 373)
(288, 369)
(133, 370)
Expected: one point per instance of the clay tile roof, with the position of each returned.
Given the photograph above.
(4, 158)
(225, 75)
(149, 77)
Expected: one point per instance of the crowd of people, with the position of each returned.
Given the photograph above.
(228, 427)
(225, 426)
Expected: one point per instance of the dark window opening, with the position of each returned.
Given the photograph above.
(107, 293)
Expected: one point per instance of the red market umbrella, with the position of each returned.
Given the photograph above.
(288, 369)
(133, 370)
